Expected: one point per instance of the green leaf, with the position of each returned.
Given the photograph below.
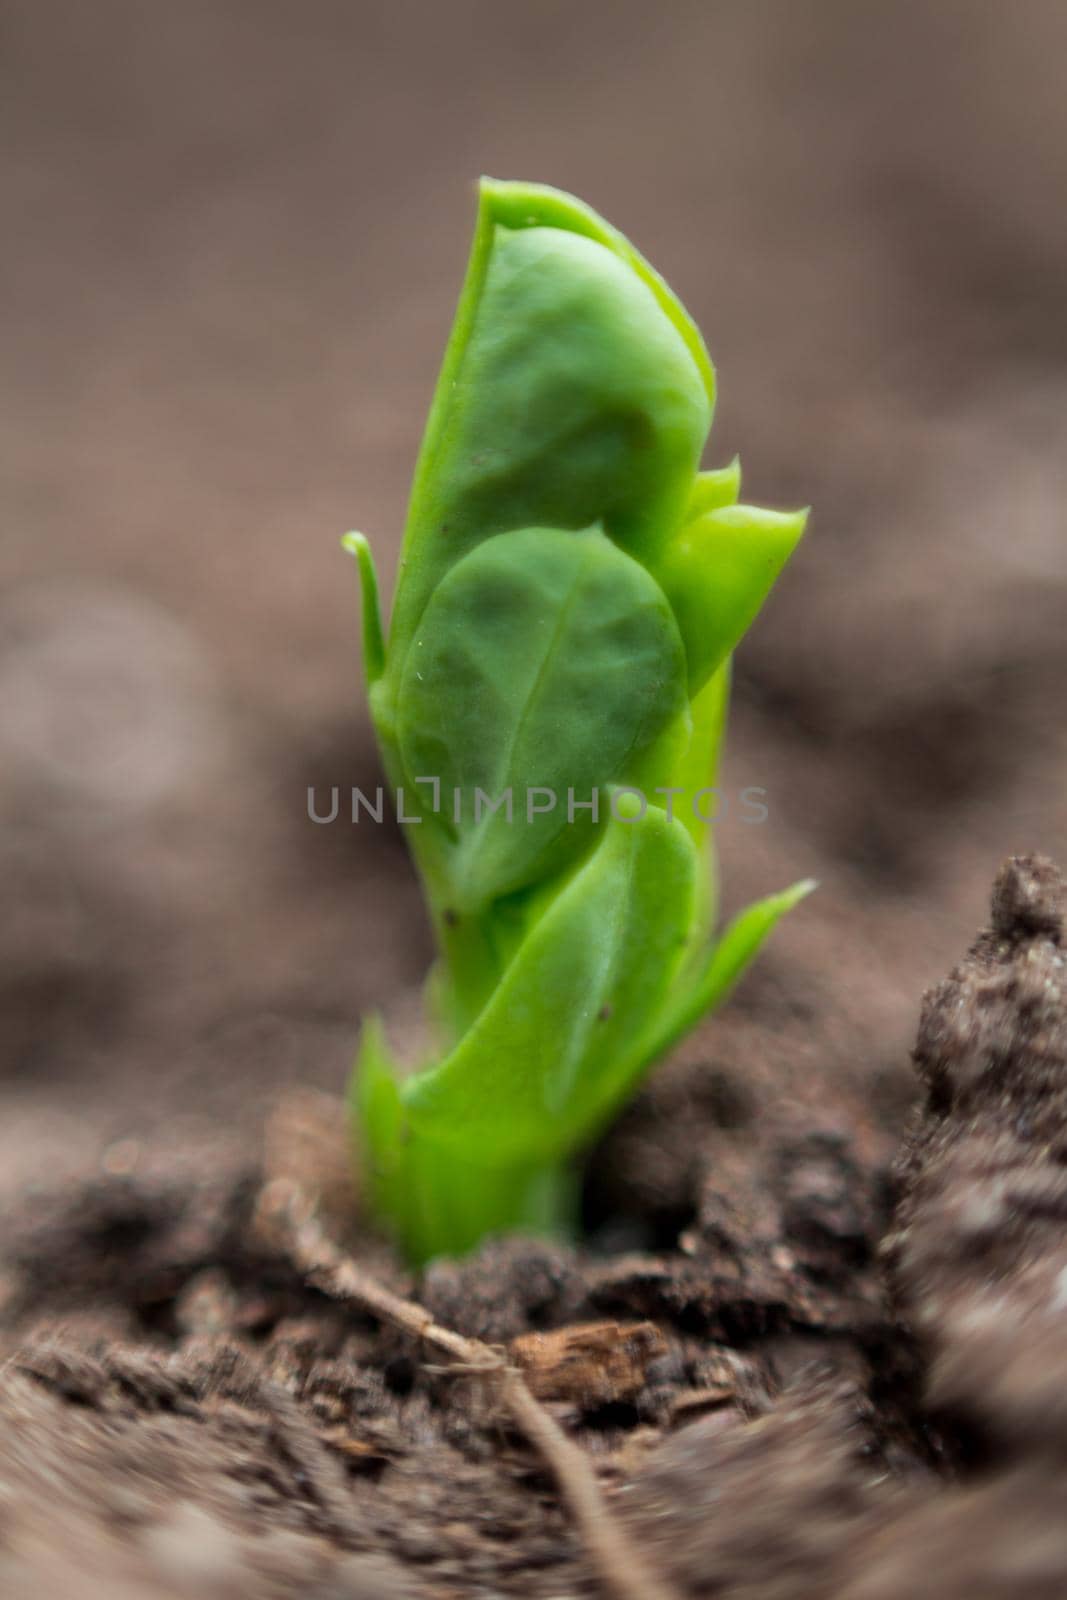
(575, 390)
(537, 205)
(717, 573)
(711, 490)
(725, 963)
(678, 772)
(695, 773)
(532, 1073)
(544, 660)
(358, 545)
(377, 1119)
(438, 1199)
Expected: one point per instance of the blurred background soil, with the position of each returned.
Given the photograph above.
(234, 234)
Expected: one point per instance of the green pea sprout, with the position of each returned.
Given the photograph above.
(549, 704)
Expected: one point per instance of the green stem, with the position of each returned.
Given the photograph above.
(442, 1203)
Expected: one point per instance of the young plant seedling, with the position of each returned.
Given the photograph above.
(549, 705)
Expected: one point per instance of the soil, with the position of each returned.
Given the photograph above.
(812, 1340)
(800, 1367)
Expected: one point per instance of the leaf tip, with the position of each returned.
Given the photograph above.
(358, 545)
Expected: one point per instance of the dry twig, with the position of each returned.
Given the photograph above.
(622, 1568)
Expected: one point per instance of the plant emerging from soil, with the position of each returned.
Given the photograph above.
(550, 705)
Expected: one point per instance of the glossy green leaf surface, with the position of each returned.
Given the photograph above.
(544, 660)
(717, 574)
(599, 962)
(575, 391)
